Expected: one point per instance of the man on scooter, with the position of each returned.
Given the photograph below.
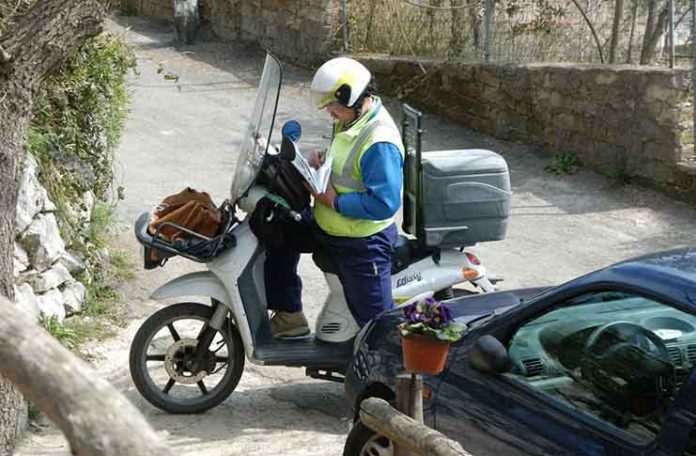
(354, 217)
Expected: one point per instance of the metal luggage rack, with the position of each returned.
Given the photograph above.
(196, 247)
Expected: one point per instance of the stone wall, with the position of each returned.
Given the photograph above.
(301, 31)
(624, 121)
(43, 268)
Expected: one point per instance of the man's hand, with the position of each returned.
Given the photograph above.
(327, 198)
(316, 158)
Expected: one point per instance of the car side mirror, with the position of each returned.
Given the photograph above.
(489, 355)
(288, 151)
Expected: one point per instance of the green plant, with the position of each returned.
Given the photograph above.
(101, 223)
(618, 175)
(64, 334)
(127, 10)
(563, 163)
(33, 411)
(432, 318)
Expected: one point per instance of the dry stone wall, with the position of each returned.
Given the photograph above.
(625, 121)
(301, 31)
(43, 268)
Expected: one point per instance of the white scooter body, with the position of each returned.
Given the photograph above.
(335, 323)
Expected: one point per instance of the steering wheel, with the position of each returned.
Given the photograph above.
(629, 367)
(623, 333)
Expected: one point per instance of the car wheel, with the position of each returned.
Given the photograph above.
(363, 441)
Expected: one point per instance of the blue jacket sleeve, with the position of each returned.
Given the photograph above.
(381, 167)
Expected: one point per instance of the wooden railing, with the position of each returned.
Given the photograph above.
(407, 433)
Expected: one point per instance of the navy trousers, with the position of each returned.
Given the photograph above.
(364, 266)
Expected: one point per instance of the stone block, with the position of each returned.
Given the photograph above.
(51, 278)
(656, 92)
(661, 151)
(51, 304)
(606, 78)
(31, 197)
(72, 263)
(21, 260)
(26, 301)
(42, 242)
(74, 294)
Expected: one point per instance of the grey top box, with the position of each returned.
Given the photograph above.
(465, 197)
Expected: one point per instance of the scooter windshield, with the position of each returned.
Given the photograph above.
(257, 137)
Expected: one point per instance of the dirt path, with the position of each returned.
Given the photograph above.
(185, 132)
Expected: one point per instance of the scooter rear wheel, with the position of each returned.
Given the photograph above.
(162, 353)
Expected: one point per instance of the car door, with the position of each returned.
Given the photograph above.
(603, 372)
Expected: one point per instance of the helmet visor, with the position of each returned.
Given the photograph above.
(320, 100)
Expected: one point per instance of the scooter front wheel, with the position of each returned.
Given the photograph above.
(166, 369)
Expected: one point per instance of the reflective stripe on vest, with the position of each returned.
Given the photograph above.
(345, 179)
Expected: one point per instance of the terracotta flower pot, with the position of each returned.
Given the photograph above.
(424, 354)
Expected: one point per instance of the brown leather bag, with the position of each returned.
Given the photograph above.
(190, 209)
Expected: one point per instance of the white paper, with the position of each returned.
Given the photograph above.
(318, 179)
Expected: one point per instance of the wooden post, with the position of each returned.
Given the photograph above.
(409, 401)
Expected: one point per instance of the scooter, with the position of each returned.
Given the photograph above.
(188, 357)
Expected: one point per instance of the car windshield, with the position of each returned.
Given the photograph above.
(257, 136)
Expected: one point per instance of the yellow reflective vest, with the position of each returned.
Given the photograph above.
(347, 149)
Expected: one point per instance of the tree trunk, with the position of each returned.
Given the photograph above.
(654, 29)
(95, 418)
(618, 13)
(10, 401)
(39, 41)
(634, 13)
(474, 8)
(457, 27)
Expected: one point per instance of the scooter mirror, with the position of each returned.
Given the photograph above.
(292, 129)
(287, 149)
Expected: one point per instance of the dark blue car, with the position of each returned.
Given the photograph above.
(602, 365)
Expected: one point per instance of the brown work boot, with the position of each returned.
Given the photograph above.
(289, 324)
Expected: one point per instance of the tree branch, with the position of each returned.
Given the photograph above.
(48, 33)
(95, 418)
(592, 29)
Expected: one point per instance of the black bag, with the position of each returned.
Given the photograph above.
(268, 223)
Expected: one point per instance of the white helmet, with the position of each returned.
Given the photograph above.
(341, 80)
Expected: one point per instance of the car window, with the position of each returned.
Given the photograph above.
(617, 357)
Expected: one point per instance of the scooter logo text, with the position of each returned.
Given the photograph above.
(416, 276)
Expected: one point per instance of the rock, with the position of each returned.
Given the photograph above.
(51, 278)
(86, 206)
(51, 304)
(74, 294)
(72, 262)
(42, 241)
(21, 260)
(26, 301)
(49, 206)
(31, 196)
(104, 255)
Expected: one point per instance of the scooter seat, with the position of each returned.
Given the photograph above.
(406, 252)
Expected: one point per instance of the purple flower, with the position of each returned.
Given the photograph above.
(445, 313)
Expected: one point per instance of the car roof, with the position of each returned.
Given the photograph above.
(671, 274)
